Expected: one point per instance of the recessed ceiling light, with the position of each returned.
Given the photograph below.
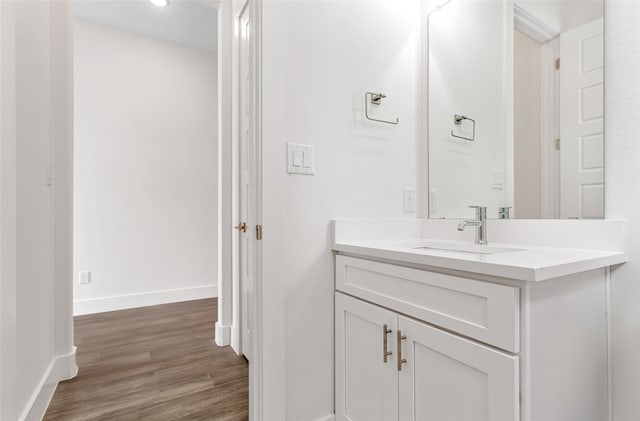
(160, 3)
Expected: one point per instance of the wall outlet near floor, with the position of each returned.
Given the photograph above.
(409, 196)
(84, 277)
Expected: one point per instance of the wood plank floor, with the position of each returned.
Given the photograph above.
(153, 363)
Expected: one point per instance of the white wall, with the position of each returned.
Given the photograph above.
(622, 194)
(146, 170)
(527, 146)
(36, 344)
(319, 58)
(466, 35)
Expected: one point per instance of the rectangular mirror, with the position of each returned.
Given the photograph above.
(515, 108)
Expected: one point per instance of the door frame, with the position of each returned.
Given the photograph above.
(229, 282)
(252, 218)
(227, 51)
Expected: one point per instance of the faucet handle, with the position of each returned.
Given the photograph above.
(503, 212)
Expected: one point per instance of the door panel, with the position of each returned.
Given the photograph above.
(246, 177)
(582, 122)
(449, 378)
(366, 386)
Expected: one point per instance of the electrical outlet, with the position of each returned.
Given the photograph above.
(409, 195)
(433, 202)
(84, 277)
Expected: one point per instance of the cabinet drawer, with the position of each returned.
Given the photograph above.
(481, 310)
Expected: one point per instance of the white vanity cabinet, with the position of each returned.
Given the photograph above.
(467, 347)
(428, 374)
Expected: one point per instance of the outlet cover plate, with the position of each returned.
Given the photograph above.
(409, 198)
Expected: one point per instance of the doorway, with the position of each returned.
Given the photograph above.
(162, 186)
(145, 155)
(559, 114)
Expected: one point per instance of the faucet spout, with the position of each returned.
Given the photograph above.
(468, 223)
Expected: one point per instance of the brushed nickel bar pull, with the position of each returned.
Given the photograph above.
(385, 347)
(401, 360)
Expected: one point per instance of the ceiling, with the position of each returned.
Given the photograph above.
(562, 15)
(192, 23)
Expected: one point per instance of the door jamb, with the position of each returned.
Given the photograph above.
(229, 47)
(226, 44)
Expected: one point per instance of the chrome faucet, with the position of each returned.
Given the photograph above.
(480, 223)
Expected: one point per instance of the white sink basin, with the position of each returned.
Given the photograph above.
(462, 247)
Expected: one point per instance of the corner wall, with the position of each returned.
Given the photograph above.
(319, 59)
(622, 195)
(36, 348)
(146, 165)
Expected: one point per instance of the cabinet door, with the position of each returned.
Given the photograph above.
(449, 378)
(366, 385)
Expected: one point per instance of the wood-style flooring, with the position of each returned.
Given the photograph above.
(153, 363)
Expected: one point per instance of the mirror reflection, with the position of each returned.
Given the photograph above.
(515, 108)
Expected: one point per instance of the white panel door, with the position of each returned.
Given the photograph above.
(246, 152)
(582, 122)
(449, 378)
(366, 384)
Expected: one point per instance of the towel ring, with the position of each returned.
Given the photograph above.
(376, 99)
(457, 119)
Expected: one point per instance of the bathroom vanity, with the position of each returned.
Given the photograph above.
(430, 326)
(508, 321)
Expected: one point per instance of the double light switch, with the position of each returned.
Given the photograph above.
(300, 159)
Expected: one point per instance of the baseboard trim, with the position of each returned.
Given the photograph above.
(122, 302)
(61, 368)
(223, 335)
(331, 417)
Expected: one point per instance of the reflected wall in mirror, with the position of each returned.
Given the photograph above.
(515, 108)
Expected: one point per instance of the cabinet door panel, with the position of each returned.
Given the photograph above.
(449, 378)
(366, 386)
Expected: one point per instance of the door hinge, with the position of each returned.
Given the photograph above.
(258, 232)
(557, 144)
(557, 64)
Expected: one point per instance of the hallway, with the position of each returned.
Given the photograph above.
(153, 363)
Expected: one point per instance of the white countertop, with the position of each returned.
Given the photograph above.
(527, 263)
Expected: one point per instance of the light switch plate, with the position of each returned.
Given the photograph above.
(498, 179)
(84, 277)
(300, 159)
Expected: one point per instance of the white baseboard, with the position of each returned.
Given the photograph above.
(331, 417)
(61, 368)
(223, 335)
(122, 302)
